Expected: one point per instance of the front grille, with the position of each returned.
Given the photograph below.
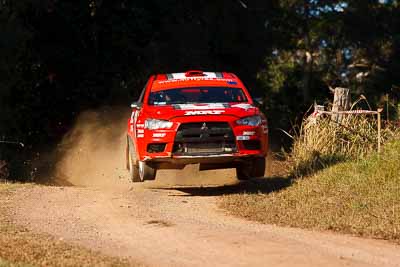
(204, 138)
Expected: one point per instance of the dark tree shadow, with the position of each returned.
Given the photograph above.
(316, 163)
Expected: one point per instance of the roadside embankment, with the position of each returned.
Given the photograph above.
(360, 197)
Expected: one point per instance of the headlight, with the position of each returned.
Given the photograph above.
(153, 124)
(250, 121)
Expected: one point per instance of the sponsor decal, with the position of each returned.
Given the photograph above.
(203, 112)
(182, 76)
(242, 138)
(140, 131)
(140, 136)
(140, 125)
(242, 106)
(159, 135)
(200, 106)
(132, 116)
(249, 133)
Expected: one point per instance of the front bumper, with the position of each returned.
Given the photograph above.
(220, 161)
(237, 145)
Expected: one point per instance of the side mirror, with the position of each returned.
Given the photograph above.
(258, 101)
(136, 105)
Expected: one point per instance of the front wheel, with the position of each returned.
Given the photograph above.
(258, 167)
(251, 169)
(132, 163)
(146, 172)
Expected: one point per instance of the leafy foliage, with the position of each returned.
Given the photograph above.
(331, 43)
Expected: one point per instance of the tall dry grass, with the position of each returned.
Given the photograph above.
(358, 197)
(322, 142)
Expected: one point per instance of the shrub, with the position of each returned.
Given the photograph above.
(323, 142)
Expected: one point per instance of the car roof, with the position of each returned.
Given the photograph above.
(193, 78)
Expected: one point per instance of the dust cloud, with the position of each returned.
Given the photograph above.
(92, 154)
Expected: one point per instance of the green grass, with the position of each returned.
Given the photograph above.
(357, 197)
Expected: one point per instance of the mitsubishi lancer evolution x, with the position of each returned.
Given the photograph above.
(196, 117)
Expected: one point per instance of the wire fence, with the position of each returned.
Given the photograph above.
(377, 113)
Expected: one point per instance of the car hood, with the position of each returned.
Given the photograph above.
(170, 112)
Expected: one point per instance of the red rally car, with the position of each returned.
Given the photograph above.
(205, 118)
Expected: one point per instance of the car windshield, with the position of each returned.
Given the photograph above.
(197, 95)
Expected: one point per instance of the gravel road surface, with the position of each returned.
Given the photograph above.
(164, 226)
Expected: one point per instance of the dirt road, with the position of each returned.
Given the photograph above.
(179, 227)
(160, 225)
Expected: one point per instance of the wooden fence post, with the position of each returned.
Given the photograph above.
(341, 102)
(379, 130)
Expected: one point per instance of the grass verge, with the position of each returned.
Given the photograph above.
(356, 197)
(21, 248)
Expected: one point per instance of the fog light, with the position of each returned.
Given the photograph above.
(156, 148)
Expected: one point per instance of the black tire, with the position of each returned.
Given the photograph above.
(243, 171)
(252, 169)
(132, 163)
(146, 172)
(258, 169)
